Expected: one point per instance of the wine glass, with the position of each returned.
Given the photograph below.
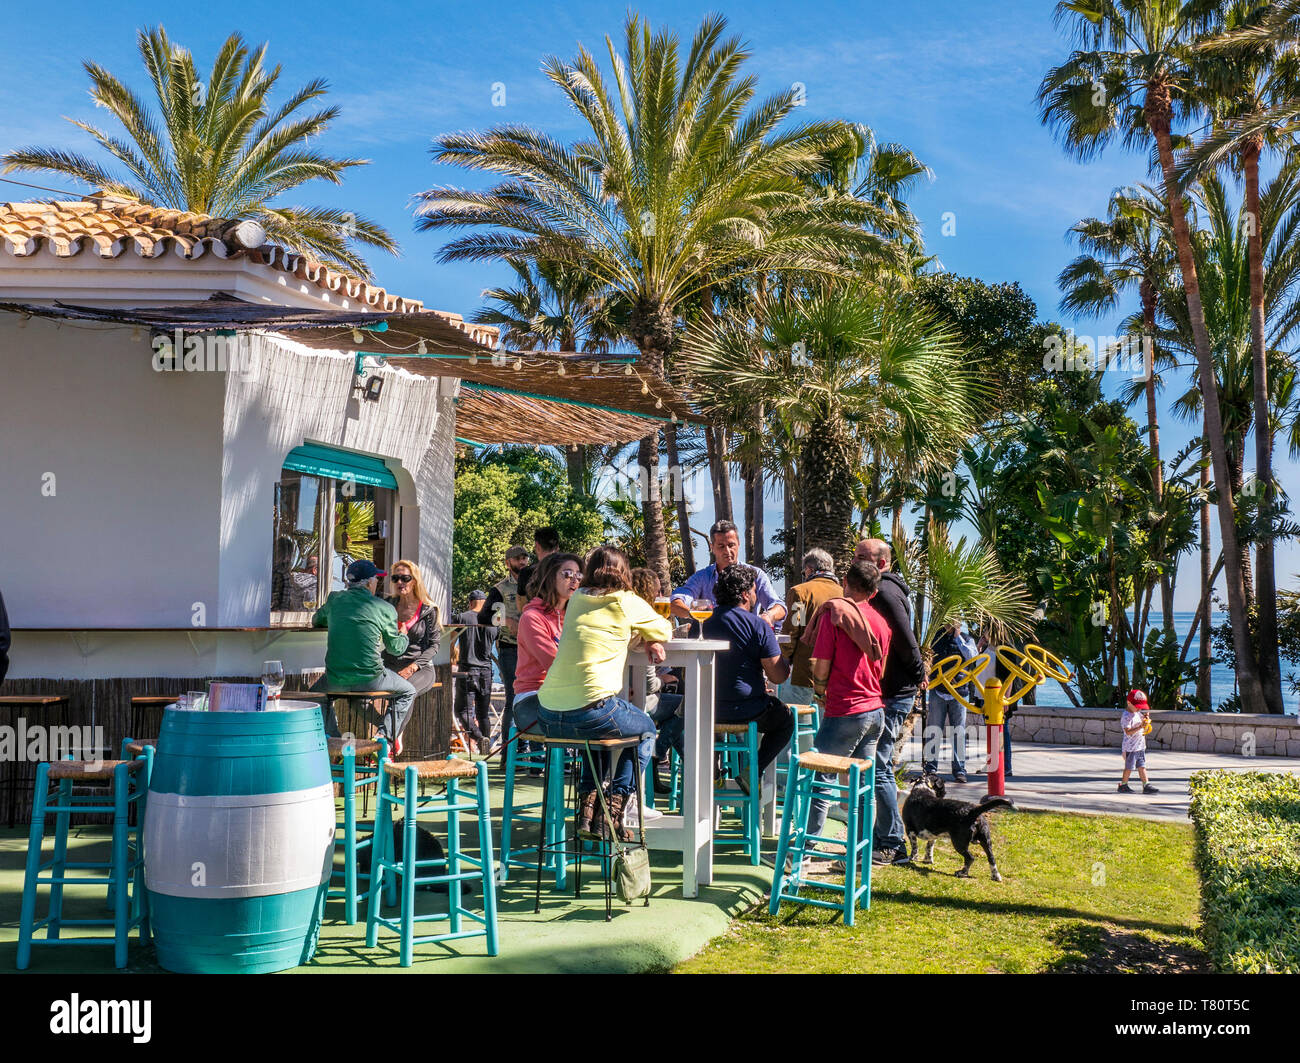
(701, 610)
(273, 677)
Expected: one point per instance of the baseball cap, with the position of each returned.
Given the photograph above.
(514, 551)
(361, 571)
(1137, 697)
(477, 596)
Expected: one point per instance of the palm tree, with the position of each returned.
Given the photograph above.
(1135, 74)
(217, 148)
(680, 185)
(872, 369)
(1131, 248)
(1252, 80)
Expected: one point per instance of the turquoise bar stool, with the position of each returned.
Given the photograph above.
(530, 812)
(738, 744)
(672, 799)
(823, 775)
(448, 870)
(353, 777)
(128, 784)
(807, 722)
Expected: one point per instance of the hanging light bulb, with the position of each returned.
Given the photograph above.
(627, 369)
(645, 388)
(595, 369)
(519, 364)
(674, 418)
(473, 358)
(423, 348)
(560, 371)
(356, 337)
(659, 405)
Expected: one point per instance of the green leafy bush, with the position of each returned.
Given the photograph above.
(1248, 857)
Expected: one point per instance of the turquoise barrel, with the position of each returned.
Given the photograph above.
(238, 839)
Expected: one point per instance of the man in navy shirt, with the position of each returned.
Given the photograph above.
(739, 690)
(724, 541)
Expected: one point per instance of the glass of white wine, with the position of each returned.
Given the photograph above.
(701, 610)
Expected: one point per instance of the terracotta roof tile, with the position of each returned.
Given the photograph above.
(110, 226)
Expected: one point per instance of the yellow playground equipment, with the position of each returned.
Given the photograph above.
(1027, 669)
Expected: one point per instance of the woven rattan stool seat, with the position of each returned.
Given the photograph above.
(136, 748)
(828, 764)
(361, 747)
(90, 770)
(804, 710)
(595, 743)
(433, 769)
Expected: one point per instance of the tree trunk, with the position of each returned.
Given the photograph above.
(575, 464)
(747, 478)
(826, 465)
(1158, 108)
(1270, 671)
(1153, 436)
(677, 477)
(650, 326)
(792, 561)
(1203, 690)
(1237, 465)
(726, 510)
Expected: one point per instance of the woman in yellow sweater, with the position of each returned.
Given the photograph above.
(580, 695)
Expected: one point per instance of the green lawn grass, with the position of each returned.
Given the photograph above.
(1080, 893)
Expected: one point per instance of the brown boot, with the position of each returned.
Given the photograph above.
(588, 811)
(617, 804)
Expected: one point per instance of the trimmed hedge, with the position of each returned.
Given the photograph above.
(1248, 857)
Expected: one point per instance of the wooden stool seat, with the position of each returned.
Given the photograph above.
(154, 699)
(90, 770)
(377, 695)
(730, 728)
(804, 710)
(19, 700)
(829, 764)
(595, 743)
(303, 695)
(136, 746)
(433, 769)
(361, 747)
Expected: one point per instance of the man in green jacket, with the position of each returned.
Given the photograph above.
(359, 625)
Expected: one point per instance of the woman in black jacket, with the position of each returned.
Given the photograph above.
(420, 620)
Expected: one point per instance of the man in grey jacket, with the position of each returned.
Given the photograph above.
(904, 675)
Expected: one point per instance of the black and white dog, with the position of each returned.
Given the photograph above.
(928, 814)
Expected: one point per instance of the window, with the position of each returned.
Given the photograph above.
(322, 524)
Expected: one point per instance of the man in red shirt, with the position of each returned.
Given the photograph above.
(849, 680)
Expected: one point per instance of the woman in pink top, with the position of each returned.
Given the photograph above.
(556, 578)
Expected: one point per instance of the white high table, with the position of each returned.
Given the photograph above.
(691, 833)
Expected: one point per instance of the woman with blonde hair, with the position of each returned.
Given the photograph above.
(421, 622)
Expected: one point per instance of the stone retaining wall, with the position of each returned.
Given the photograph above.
(1195, 732)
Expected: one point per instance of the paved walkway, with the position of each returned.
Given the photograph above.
(1083, 778)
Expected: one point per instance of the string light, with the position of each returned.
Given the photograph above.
(356, 337)
(645, 388)
(560, 371)
(423, 348)
(627, 369)
(473, 358)
(595, 369)
(659, 405)
(519, 364)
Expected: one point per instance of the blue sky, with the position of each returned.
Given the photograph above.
(954, 81)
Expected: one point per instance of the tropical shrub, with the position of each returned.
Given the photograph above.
(1248, 858)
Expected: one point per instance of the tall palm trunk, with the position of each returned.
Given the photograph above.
(1270, 672)
(651, 329)
(1237, 467)
(793, 557)
(1158, 109)
(1148, 290)
(1203, 692)
(678, 478)
(826, 464)
(575, 464)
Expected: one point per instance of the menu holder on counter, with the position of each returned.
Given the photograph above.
(236, 697)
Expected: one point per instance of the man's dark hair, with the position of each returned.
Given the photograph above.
(732, 584)
(722, 527)
(863, 577)
(547, 538)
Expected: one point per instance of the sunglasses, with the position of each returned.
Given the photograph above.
(571, 575)
(401, 579)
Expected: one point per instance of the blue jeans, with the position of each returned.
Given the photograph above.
(944, 713)
(844, 736)
(399, 705)
(889, 824)
(672, 725)
(610, 717)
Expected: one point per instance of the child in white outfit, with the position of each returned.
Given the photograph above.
(1134, 722)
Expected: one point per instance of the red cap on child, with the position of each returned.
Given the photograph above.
(1137, 697)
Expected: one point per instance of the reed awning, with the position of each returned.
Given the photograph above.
(507, 396)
